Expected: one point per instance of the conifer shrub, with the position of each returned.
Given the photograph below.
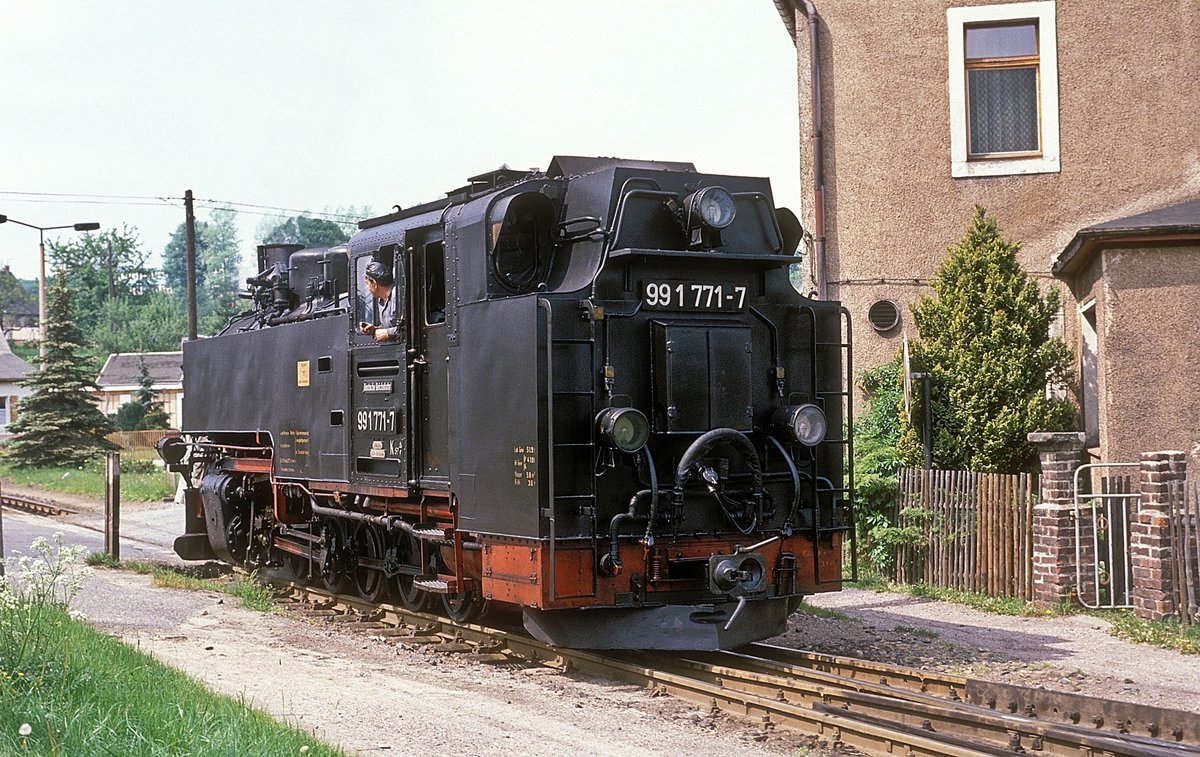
(59, 424)
(984, 338)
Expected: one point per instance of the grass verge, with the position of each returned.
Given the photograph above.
(141, 481)
(253, 595)
(1168, 634)
(87, 693)
(997, 605)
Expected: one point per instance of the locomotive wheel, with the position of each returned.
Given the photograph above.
(334, 575)
(369, 582)
(462, 608)
(410, 596)
(297, 566)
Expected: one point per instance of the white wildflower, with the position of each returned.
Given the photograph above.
(25, 729)
(51, 574)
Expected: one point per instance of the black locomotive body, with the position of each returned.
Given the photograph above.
(607, 405)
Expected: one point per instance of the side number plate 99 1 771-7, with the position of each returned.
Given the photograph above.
(675, 295)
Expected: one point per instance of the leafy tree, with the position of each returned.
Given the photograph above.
(310, 232)
(128, 416)
(156, 325)
(58, 424)
(13, 294)
(335, 227)
(144, 411)
(217, 262)
(984, 337)
(100, 267)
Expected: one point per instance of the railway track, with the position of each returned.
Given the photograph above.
(869, 706)
(33, 505)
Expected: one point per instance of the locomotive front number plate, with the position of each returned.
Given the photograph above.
(674, 295)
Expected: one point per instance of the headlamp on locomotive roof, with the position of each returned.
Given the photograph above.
(712, 207)
(623, 428)
(803, 423)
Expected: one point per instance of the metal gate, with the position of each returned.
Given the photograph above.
(1106, 497)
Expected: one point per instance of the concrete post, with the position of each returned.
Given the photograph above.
(1154, 588)
(1054, 552)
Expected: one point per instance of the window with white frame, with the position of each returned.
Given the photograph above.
(1003, 89)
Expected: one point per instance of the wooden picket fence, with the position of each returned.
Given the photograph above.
(974, 531)
(137, 441)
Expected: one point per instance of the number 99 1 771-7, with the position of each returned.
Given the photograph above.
(685, 296)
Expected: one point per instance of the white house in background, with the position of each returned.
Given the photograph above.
(12, 370)
(118, 381)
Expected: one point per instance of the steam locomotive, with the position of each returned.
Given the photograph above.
(605, 404)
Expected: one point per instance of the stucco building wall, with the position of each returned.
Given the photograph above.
(1149, 353)
(1127, 102)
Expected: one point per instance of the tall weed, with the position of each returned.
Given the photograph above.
(48, 576)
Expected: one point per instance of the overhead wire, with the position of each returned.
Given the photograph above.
(244, 208)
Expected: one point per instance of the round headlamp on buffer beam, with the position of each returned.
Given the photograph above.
(705, 212)
(805, 423)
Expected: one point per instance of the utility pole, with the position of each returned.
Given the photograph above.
(41, 230)
(190, 226)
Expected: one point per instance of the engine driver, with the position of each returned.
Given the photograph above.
(381, 287)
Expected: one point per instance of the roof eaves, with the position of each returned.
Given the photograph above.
(1093, 239)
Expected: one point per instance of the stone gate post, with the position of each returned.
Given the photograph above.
(1054, 553)
(1150, 540)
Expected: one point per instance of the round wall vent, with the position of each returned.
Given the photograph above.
(884, 315)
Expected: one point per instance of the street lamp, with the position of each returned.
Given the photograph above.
(42, 271)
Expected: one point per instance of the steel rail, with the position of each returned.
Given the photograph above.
(33, 505)
(861, 704)
(1064, 707)
(882, 703)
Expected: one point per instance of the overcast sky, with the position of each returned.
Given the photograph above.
(314, 105)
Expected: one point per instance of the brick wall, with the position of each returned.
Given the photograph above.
(1150, 541)
(1054, 545)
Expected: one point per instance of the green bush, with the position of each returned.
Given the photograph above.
(876, 462)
